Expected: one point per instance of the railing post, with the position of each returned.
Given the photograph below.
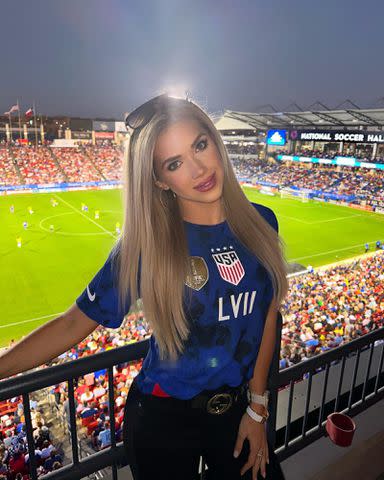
(272, 382)
(31, 442)
(72, 421)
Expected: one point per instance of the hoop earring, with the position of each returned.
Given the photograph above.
(161, 198)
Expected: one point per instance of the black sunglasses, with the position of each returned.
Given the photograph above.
(143, 114)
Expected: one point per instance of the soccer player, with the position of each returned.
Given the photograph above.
(117, 228)
(366, 247)
(378, 243)
(25, 225)
(12, 209)
(51, 228)
(30, 210)
(18, 241)
(97, 214)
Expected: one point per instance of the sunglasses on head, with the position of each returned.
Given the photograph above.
(143, 114)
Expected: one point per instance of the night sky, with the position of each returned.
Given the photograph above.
(102, 58)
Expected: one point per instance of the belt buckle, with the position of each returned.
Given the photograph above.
(219, 403)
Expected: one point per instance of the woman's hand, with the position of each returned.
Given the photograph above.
(256, 434)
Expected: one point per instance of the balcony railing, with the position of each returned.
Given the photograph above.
(291, 426)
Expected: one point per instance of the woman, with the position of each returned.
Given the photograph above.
(209, 268)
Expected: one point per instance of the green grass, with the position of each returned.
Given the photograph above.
(44, 277)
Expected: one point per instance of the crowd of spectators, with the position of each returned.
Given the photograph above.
(22, 164)
(37, 166)
(361, 186)
(86, 163)
(239, 148)
(329, 307)
(91, 394)
(14, 454)
(8, 170)
(91, 401)
(108, 159)
(77, 165)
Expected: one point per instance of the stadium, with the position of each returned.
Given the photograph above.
(322, 173)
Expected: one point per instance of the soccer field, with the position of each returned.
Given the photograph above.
(43, 277)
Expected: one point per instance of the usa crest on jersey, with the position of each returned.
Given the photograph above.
(230, 267)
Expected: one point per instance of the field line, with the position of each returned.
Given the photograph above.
(85, 216)
(330, 251)
(320, 221)
(295, 219)
(31, 320)
(337, 218)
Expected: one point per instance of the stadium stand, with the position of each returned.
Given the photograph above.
(37, 166)
(44, 165)
(9, 174)
(77, 166)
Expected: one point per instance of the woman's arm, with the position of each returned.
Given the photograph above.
(258, 382)
(47, 342)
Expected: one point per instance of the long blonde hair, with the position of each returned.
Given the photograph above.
(154, 237)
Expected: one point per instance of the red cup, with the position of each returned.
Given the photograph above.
(340, 429)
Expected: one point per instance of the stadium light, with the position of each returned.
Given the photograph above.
(176, 91)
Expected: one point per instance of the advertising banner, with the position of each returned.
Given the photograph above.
(337, 136)
(81, 135)
(103, 126)
(109, 135)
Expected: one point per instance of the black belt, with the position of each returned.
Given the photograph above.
(215, 402)
(218, 401)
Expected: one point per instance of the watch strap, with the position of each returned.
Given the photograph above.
(255, 416)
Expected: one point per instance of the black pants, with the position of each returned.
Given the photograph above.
(165, 439)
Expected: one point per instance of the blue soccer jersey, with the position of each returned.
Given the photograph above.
(231, 294)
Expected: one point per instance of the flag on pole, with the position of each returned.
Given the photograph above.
(14, 108)
(29, 112)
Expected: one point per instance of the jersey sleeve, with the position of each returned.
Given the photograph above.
(100, 302)
(268, 214)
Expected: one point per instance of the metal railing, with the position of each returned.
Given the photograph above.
(287, 433)
(347, 379)
(68, 372)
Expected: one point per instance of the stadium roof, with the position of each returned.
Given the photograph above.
(316, 119)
